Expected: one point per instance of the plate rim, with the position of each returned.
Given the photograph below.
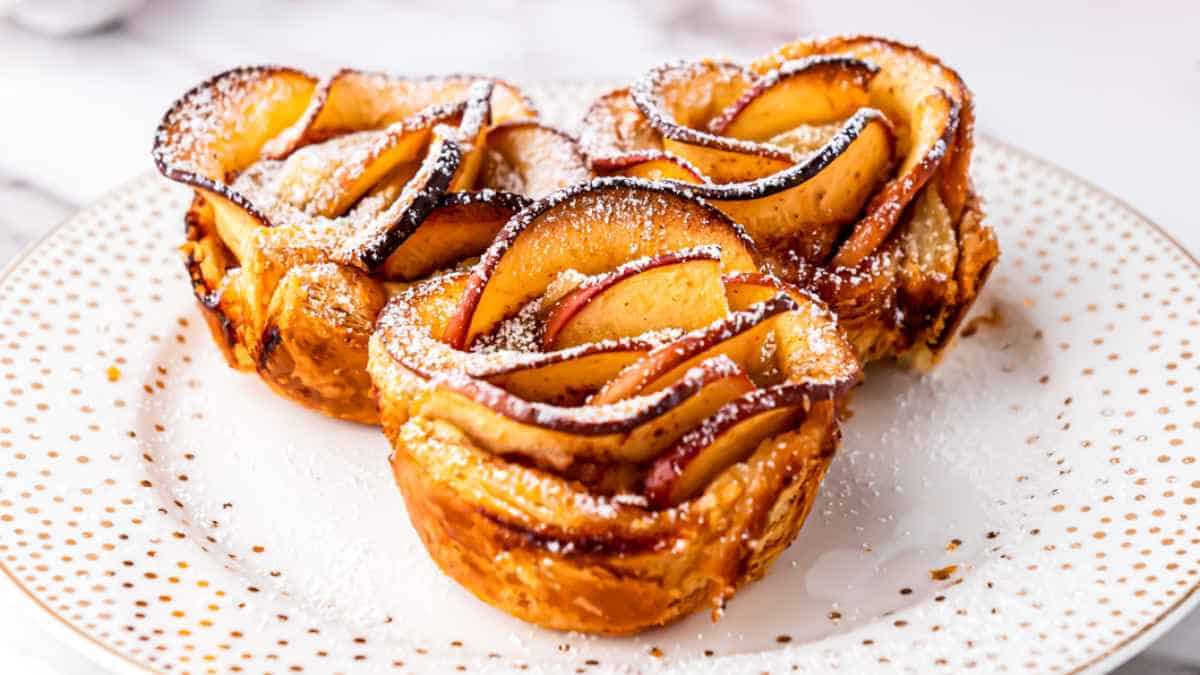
(30, 605)
(1129, 647)
(101, 654)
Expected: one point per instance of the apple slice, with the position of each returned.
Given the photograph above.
(532, 159)
(681, 289)
(740, 336)
(933, 125)
(614, 126)
(954, 177)
(729, 161)
(745, 289)
(728, 437)
(414, 324)
(927, 102)
(652, 165)
(929, 249)
(325, 179)
(567, 377)
(368, 245)
(558, 436)
(372, 233)
(563, 377)
(813, 90)
(355, 100)
(591, 228)
(476, 121)
(462, 225)
(804, 139)
(680, 100)
(385, 192)
(219, 127)
(806, 206)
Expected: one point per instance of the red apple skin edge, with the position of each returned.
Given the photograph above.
(577, 299)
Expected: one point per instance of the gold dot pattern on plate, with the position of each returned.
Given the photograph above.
(113, 525)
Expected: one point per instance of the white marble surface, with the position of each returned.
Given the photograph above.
(1110, 91)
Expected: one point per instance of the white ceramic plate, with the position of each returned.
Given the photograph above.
(183, 518)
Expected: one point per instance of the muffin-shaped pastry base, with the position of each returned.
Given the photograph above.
(614, 419)
(603, 566)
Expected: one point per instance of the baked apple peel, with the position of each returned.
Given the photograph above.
(315, 200)
(604, 408)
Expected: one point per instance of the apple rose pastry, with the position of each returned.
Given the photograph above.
(845, 159)
(315, 200)
(613, 419)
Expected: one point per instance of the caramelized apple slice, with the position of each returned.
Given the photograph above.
(930, 249)
(368, 245)
(680, 100)
(925, 100)
(653, 165)
(933, 123)
(591, 228)
(717, 380)
(477, 120)
(569, 376)
(805, 207)
(613, 127)
(557, 436)
(804, 139)
(681, 289)
(385, 193)
(740, 336)
(236, 222)
(744, 289)
(803, 341)
(727, 161)
(354, 100)
(954, 178)
(461, 226)
(324, 179)
(416, 320)
(532, 159)
(720, 441)
(218, 129)
(813, 90)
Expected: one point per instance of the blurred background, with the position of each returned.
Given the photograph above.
(1109, 90)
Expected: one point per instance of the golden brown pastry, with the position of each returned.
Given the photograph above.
(846, 159)
(317, 199)
(613, 419)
